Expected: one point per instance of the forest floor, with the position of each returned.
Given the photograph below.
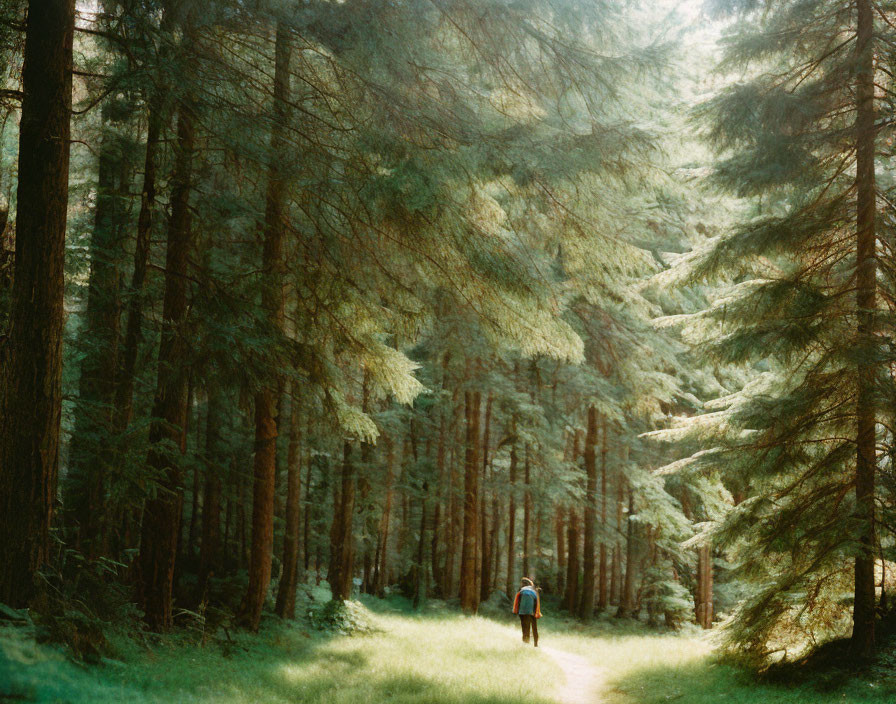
(434, 657)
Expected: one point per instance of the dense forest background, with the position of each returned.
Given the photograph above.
(426, 296)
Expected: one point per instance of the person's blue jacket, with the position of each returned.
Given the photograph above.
(527, 602)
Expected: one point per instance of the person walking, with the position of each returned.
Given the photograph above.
(527, 605)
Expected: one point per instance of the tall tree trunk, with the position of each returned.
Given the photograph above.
(420, 571)
(31, 356)
(527, 512)
(342, 549)
(265, 465)
(469, 598)
(456, 498)
(863, 637)
(286, 593)
(571, 598)
(209, 546)
(161, 513)
(243, 553)
(590, 455)
(382, 552)
(616, 566)
(627, 597)
(89, 450)
(195, 506)
(437, 577)
(484, 544)
(511, 519)
(494, 556)
(560, 528)
(704, 586)
(306, 504)
(124, 392)
(602, 595)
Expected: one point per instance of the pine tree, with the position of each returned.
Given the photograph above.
(31, 352)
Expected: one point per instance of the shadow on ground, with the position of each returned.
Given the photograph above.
(708, 681)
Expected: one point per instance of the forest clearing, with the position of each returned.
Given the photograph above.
(438, 656)
(349, 347)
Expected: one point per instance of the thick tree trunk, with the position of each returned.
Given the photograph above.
(863, 636)
(265, 465)
(511, 521)
(161, 513)
(342, 549)
(286, 593)
(590, 455)
(469, 598)
(31, 356)
(602, 594)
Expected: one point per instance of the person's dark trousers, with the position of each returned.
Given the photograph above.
(528, 622)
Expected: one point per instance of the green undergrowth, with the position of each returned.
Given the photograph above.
(434, 656)
(381, 650)
(639, 667)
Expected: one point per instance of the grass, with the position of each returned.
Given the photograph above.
(434, 657)
(638, 667)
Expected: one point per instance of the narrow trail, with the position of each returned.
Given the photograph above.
(582, 679)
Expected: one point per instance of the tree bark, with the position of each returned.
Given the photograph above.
(437, 576)
(527, 512)
(484, 543)
(863, 635)
(420, 571)
(161, 512)
(89, 453)
(209, 546)
(616, 566)
(286, 593)
(590, 456)
(469, 597)
(342, 549)
(306, 504)
(195, 505)
(602, 595)
(265, 465)
(494, 542)
(381, 563)
(704, 586)
(31, 356)
(156, 118)
(571, 597)
(560, 528)
(511, 519)
(627, 597)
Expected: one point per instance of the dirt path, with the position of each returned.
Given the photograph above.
(582, 679)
